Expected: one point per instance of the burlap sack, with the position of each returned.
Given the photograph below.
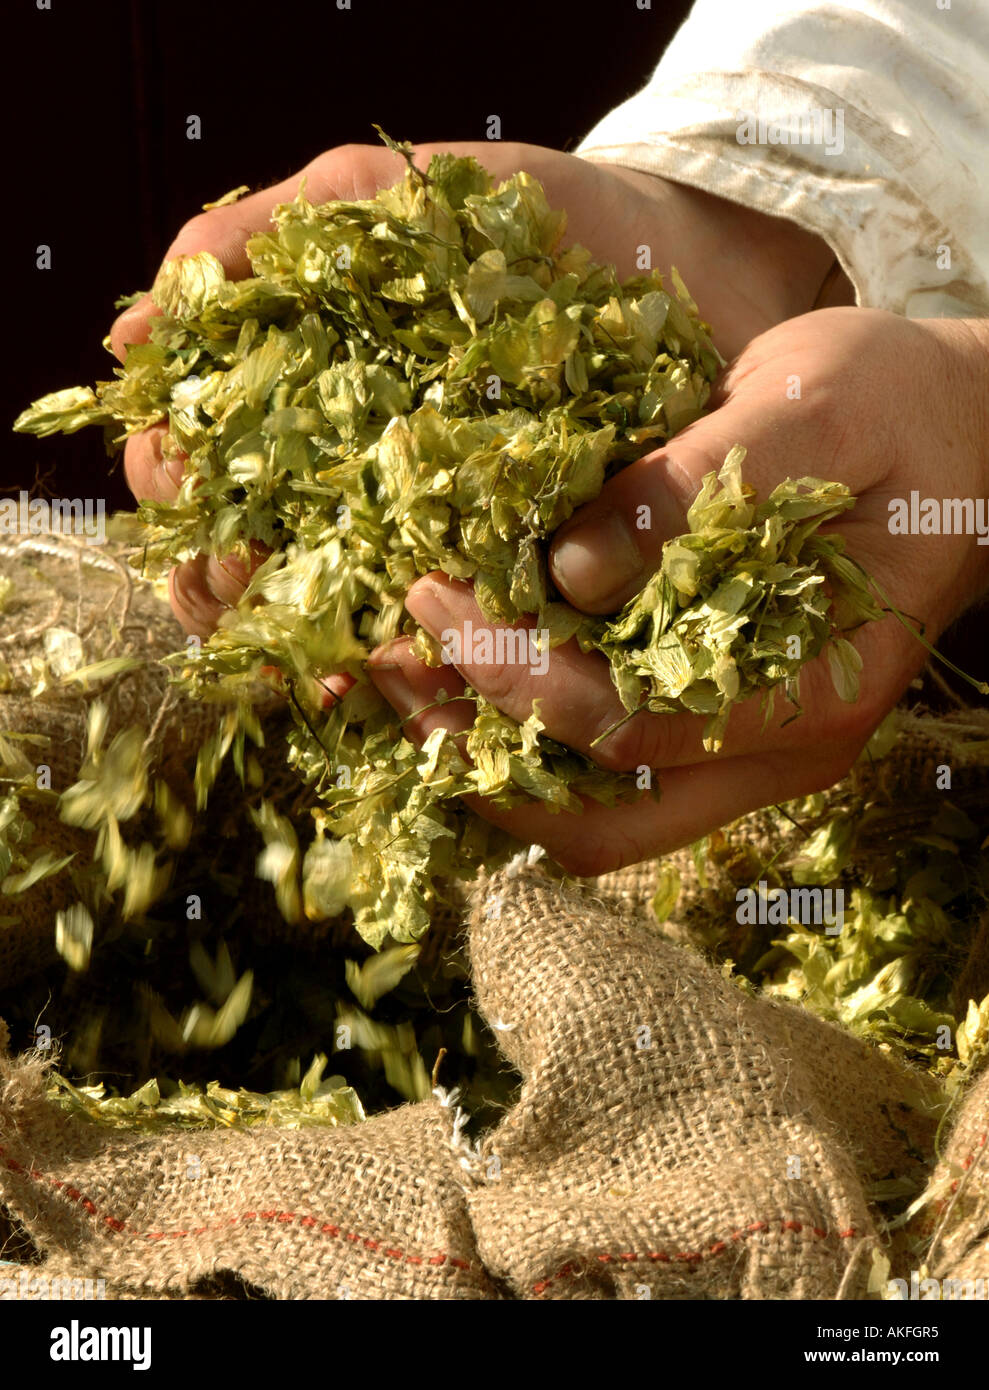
(370, 1211)
(674, 1137)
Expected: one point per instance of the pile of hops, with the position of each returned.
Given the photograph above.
(428, 380)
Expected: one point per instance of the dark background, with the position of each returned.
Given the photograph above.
(98, 166)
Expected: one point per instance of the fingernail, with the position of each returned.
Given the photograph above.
(173, 459)
(174, 470)
(596, 561)
(334, 688)
(123, 326)
(430, 605)
(388, 656)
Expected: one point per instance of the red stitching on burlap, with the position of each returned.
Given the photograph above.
(664, 1257)
(326, 1228)
(282, 1217)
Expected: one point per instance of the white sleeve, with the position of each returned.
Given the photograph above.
(872, 128)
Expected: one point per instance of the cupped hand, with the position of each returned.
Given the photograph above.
(882, 404)
(747, 272)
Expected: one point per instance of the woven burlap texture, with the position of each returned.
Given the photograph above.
(722, 1153)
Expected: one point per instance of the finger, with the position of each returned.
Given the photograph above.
(192, 603)
(695, 798)
(607, 551)
(201, 590)
(425, 696)
(149, 473)
(132, 326)
(578, 702)
(335, 688)
(579, 706)
(226, 576)
(350, 171)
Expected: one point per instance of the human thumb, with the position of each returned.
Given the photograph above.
(608, 549)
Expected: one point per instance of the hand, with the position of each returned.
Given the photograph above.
(886, 406)
(747, 272)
